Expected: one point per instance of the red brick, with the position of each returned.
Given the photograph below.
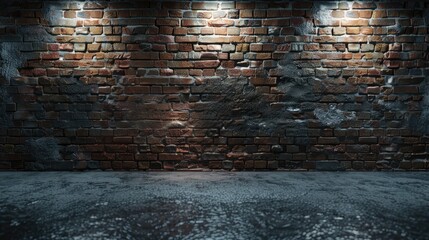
(194, 23)
(69, 14)
(205, 5)
(261, 81)
(221, 23)
(137, 90)
(381, 22)
(180, 64)
(244, 5)
(167, 22)
(186, 39)
(206, 64)
(354, 22)
(89, 14)
(364, 5)
(50, 56)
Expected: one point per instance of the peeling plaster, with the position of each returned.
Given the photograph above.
(421, 123)
(322, 12)
(306, 28)
(45, 149)
(52, 13)
(288, 68)
(12, 59)
(36, 34)
(332, 117)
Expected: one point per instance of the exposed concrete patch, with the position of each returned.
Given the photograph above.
(4, 99)
(52, 12)
(332, 117)
(11, 58)
(306, 28)
(288, 68)
(235, 104)
(35, 34)
(421, 123)
(322, 11)
(296, 88)
(43, 151)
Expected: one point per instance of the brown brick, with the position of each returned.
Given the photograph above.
(246, 13)
(186, 39)
(339, 30)
(194, 23)
(206, 64)
(50, 56)
(364, 5)
(167, 22)
(244, 5)
(381, 22)
(69, 14)
(354, 22)
(221, 23)
(260, 81)
(205, 5)
(357, 148)
(406, 89)
(260, 164)
(328, 140)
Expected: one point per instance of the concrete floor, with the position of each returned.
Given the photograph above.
(214, 205)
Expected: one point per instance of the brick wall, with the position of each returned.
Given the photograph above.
(216, 84)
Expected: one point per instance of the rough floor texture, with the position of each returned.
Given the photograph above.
(214, 84)
(230, 205)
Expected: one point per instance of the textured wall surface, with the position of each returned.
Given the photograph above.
(217, 84)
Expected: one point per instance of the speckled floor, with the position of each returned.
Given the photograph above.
(214, 205)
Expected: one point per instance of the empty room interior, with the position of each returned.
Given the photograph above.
(146, 119)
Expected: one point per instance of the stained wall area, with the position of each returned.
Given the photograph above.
(216, 84)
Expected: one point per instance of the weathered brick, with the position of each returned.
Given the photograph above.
(206, 64)
(381, 22)
(363, 5)
(186, 39)
(339, 30)
(260, 81)
(328, 140)
(221, 23)
(406, 89)
(354, 22)
(244, 5)
(174, 76)
(167, 22)
(194, 23)
(357, 148)
(276, 22)
(205, 5)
